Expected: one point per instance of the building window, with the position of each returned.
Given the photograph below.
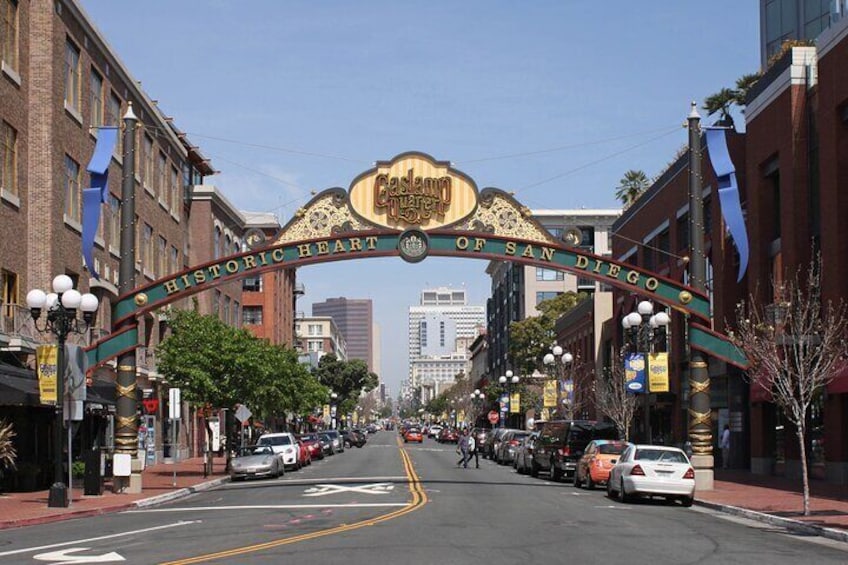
(175, 190)
(113, 118)
(441, 334)
(216, 243)
(664, 247)
(226, 313)
(161, 257)
(147, 177)
(235, 313)
(72, 189)
(313, 329)
(72, 76)
(422, 333)
(96, 99)
(159, 183)
(543, 274)
(683, 232)
(216, 302)
(546, 295)
(252, 284)
(9, 164)
(174, 260)
(9, 293)
(816, 17)
(9, 32)
(314, 345)
(147, 247)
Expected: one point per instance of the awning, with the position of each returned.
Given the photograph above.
(18, 386)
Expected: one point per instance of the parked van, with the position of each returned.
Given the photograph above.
(561, 443)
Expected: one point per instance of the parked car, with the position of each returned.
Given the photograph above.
(338, 442)
(448, 435)
(480, 435)
(593, 468)
(313, 444)
(327, 443)
(562, 442)
(353, 438)
(494, 445)
(413, 434)
(509, 445)
(653, 470)
(522, 460)
(303, 453)
(256, 461)
(489, 444)
(284, 445)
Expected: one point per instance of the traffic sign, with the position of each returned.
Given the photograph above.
(493, 417)
(243, 413)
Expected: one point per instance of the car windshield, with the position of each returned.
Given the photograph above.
(255, 450)
(611, 448)
(661, 455)
(308, 437)
(275, 440)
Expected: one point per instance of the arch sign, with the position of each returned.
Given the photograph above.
(411, 207)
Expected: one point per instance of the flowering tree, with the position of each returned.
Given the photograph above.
(795, 346)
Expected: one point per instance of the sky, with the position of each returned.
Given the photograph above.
(551, 100)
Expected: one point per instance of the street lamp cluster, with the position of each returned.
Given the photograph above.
(507, 383)
(560, 360)
(62, 305)
(645, 333)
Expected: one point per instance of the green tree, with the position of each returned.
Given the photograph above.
(631, 185)
(531, 338)
(725, 99)
(348, 379)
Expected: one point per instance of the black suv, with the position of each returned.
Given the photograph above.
(561, 444)
(353, 438)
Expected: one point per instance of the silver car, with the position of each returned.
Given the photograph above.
(256, 461)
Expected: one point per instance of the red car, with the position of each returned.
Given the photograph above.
(413, 434)
(304, 453)
(448, 435)
(313, 445)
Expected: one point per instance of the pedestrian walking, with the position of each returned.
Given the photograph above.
(724, 445)
(472, 450)
(462, 447)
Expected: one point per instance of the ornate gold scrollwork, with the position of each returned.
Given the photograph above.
(140, 299)
(685, 297)
(698, 418)
(126, 421)
(128, 390)
(696, 387)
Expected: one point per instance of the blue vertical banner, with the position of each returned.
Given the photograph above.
(98, 193)
(728, 194)
(634, 373)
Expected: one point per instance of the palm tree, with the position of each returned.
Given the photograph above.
(7, 447)
(721, 101)
(743, 85)
(631, 185)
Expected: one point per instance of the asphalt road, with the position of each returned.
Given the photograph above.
(410, 504)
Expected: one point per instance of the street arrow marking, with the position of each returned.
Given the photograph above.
(63, 557)
(375, 488)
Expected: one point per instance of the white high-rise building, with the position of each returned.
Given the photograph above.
(439, 329)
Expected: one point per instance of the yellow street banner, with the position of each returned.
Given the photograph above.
(550, 394)
(46, 359)
(460, 416)
(515, 403)
(658, 372)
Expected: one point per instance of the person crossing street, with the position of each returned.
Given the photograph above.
(462, 448)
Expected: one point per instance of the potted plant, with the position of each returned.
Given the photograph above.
(77, 473)
(7, 448)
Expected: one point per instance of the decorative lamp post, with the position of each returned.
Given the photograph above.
(477, 398)
(645, 333)
(558, 361)
(62, 305)
(333, 399)
(503, 403)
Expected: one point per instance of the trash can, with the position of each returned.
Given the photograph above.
(93, 479)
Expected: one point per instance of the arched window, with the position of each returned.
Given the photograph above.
(216, 251)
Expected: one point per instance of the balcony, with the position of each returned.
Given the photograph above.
(17, 329)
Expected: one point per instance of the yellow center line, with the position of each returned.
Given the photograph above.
(419, 499)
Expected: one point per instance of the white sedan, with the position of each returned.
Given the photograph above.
(653, 470)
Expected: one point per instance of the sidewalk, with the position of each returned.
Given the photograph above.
(779, 501)
(29, 508)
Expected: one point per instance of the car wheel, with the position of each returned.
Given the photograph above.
(534, 469)
(590, 484)
(556, 474)
(687, 501)
(609, 488)
(576, 480)
(622, 496)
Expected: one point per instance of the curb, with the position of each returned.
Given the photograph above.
(142, 503)
(179, 493)
(795, 526)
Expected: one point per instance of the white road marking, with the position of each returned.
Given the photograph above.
(63, 557)
(343, 479)
(324, 490)
(269, 507)
(100, 538)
